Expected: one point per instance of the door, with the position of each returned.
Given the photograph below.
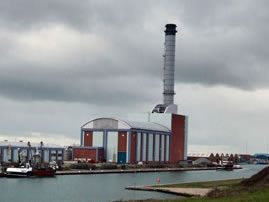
(121, 157)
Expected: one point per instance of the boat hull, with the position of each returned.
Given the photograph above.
(18, 175)
(18, 172)
(43, 172)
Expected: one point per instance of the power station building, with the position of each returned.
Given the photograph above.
(124, 141)
(160, 136)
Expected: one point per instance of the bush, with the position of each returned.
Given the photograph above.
(83, 166)
(155, 165)
(123, 166)
(107, 166)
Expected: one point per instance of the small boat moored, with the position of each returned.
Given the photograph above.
(33, 167)
(19, 171)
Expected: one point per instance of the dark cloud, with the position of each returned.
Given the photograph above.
(64, 62)
(86, 15)
(218, 43)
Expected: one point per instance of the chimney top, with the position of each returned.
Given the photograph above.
(170, 29)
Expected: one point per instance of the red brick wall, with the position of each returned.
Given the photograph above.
(177, 138)
(82, 153)
(100, 155)
(88, 138)
(133, 147)
(122, 141)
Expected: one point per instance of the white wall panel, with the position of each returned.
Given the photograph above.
(15, 155)
(157, 147)
(163, 119)
(53, 155)
(97, 139)
(112, 146)
(167, 147)
(144, 146)
(60, 155)
(6, 155)
(138, 146)
(162, 148)
(150, 147)
(46, 155)
(105, 123)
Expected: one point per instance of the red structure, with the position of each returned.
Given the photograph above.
(91, 154)
(133, 147)
(88, 139)
(122, 141)
(178, 138)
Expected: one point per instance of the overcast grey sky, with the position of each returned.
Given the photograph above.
(65, 62)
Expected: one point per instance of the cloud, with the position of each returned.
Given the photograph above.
(73, 51)
(96, 57)
(225, 116)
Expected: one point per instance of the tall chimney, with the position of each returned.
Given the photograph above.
(169, 64)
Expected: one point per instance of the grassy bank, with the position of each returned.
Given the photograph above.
(253, 194)
(209, 184)
(224, 191)
(253, 189)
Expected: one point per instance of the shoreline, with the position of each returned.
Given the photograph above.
(126, 171)
(144, 170)
(185, 189)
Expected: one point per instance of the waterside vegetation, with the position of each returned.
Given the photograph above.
(253, 189)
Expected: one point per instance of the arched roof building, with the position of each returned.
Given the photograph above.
(123, 141)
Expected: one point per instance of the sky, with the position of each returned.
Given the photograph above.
(65, 62)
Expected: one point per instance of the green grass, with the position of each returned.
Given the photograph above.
(228, 191)
(257, 194)
(209, 184)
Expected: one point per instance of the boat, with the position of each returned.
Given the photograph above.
(41, 169)
(30, 172)
(33, 168)
(43, 172)
(237, 167)
(22, 171)
(229, 166)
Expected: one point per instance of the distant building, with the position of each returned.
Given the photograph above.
(9, 151)
(217, 158)
(246, 158)
(261, 158)
(197, 155)
(202, 162)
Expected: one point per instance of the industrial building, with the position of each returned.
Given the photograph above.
(160, 136)
(10, 151)
(124, 141)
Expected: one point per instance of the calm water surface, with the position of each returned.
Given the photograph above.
(104, 187)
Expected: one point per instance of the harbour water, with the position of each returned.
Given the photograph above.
(105, 187)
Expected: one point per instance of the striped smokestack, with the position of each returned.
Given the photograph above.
(169, 64)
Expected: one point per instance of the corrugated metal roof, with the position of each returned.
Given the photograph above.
(146, 125)
(24, 144)
(199, 154)
(261, 154)
(132, 124)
